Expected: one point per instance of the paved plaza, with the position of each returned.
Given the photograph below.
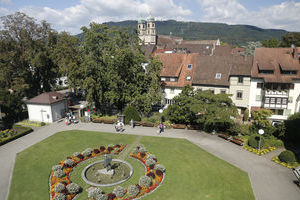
(269, 180)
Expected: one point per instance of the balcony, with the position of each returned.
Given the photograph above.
(275, 106)
(277, 93)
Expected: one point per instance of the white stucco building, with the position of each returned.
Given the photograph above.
(275, 81)
(47, 107)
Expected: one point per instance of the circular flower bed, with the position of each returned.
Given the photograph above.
(60, 185)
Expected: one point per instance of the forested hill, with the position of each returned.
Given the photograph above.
(232, 34)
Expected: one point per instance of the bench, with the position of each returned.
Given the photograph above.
(224, 136)
(237, 141)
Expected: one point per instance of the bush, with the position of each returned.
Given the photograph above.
(73, 188)
(76, 154)
(131, 112)
(150, 162)
(56, 167)
(287, 157)
(93, 192)
(69, 163)
(119, 191)
(133, 190)
(253, 141)
(59, 173)
(59, 188)
(160, 167)
(145, 181)
(60, 196)
(87, 152)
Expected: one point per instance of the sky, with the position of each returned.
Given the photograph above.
(71, 15)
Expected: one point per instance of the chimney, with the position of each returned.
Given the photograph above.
(294, 52)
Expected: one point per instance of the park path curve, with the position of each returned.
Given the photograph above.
(269, 180)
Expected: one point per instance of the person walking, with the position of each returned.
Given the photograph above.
(132, 123)
(161, 126)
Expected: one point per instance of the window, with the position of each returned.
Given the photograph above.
(212, 91)
(259, 85)
(267, 100)
(153, 25)
(258, 98)
(280, 112)
(241, 79)
(188, 78)
(163, 90)
(172, 91)
(284, 101)
(163, 78)
(239, 95)
(278, 100)
(266, 71)
(223, 91)
(272, 100)
(172, 79)
(218, 75)
(189, 66)
(292, 86)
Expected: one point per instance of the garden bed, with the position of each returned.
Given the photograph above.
(14, 133)
(261, 152)
(291, 166)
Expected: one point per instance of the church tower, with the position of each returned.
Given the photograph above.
(147, 30)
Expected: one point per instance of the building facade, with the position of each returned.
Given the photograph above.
(147, 30)
(275, 81)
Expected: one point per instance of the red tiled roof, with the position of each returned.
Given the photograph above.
(171, 64)
(275, 59)
(47, 98)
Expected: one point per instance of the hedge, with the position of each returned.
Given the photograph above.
(287, 157)
(26, 131)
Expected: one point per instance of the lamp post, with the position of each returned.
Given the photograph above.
(260, 132)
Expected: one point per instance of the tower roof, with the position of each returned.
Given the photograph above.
(141, 20)
(150, 18)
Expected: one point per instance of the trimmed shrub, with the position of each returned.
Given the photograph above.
(150, 161)
(133, 190)
(253, 141)
(119, 191)
(87, 152)
(131, 112)
(145, 181)
(93, 192)
(60, 196)
(56, 167)
(59, 173)
(59, 188)
(76, 154)
(160, 167)
(287, 157)
(69, 162)
(246, 115)
(73, 188)
(101, 197)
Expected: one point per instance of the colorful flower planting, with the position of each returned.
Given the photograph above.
(60, 185)
(261, 152)
(288, 165)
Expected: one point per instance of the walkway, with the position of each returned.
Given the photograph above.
(269, 180)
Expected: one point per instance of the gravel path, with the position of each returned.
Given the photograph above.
(269, 180)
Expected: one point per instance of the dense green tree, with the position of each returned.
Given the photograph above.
(11, 107)
(202, 108)
(292, 129)
(250, 47)
(291, 39)
(261, 121)
(271, 43)
(111, 70)
(24, 55)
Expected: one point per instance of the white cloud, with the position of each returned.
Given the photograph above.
(283, 16)
(72, 18)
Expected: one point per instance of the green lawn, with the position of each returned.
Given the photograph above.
(192, 173)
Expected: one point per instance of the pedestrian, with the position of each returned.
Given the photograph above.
(132, 123)
(67, 120)
(161, 126)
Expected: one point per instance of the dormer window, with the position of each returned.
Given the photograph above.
(266, 71)
(218, 75)
(189, 66)
(188, 78)
(172, 79)
(163, 78)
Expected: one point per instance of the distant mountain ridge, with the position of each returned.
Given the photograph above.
(231, 34)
